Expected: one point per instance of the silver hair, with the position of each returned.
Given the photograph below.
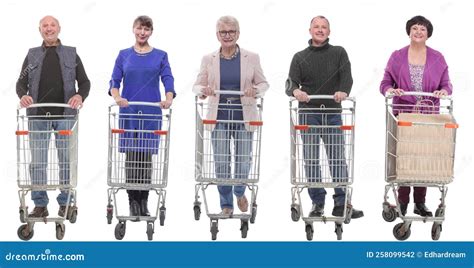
(228, 20)
(41, 20)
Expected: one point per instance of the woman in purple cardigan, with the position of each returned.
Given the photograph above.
(416, 67)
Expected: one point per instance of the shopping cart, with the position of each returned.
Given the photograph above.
(420, 143)
(240, 157)
(316, 166)
(139, 138)
(46, 161)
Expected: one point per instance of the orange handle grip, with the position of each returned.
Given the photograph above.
(405, 124)
(209, 122)
(256, 123)
(160, 132)
(451, 125)
(346, 127)
(65, 132)
(301, 127)
(21, 132)
(118, 131)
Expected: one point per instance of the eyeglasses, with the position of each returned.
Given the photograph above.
(224, 33)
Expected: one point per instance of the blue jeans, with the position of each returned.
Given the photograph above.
(333, 140)
(222, 137)
(39, 166)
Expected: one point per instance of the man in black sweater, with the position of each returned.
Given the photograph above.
(49, 75)
(322, 69)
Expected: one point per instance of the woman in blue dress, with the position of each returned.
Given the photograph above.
(140, 68)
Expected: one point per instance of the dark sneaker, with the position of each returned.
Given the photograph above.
(62, 211)
(134, 209)
(357, 213)
(422, 210)
(144, 208)
(316, 211)
(403, 209)
(338, 211)
(39, 212)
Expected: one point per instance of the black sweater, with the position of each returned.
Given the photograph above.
(320, 71)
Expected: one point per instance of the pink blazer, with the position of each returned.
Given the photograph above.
(251, 77)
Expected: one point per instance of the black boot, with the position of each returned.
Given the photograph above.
(403, 209)
(144, 204)
(134, 208)
(134, 204)
(144, 208)
(338, 211)
(422, 210)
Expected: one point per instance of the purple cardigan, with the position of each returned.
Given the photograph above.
(397, 75)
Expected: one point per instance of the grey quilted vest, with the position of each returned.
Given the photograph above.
(67, 60)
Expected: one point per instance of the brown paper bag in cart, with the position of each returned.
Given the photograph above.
(425, 150)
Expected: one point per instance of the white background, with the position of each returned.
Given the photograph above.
(369, 30)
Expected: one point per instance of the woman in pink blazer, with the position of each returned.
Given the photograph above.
(231, 68)
(416, 67)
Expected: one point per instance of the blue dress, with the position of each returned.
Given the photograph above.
(141, 75)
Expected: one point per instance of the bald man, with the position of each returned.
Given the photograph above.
(49, 75)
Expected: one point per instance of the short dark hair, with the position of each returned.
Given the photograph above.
(420, 20)
(143, 21)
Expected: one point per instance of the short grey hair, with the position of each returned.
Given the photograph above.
(48, 16)
(228, 20)
(319, 17)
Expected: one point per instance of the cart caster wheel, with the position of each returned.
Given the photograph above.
(110, 213)
(197, 212)
(309, 232)
(150, 230)
(60, 231)
(73, 215)
(338, 231)
(348, 218)
(244, 228)
(295, 213)
(24, 234)
(399, 234)
(254, 213)
(162, 215)
(23, 214)
(389, 215)
(120, 230)
(436, 231)
(214, 230)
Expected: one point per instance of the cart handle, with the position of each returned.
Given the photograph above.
(231, 92)
(324, 97)
(142, 103)
(38, 105)
(417, 93)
